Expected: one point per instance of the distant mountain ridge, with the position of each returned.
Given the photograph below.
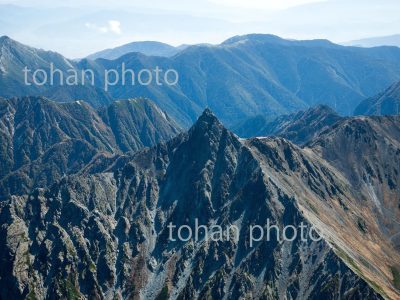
(149, 48)
(14, 57)
(249, 75)
(390, 40)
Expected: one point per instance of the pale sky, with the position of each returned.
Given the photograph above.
(263, 4)
(172, 4)
(77, 28)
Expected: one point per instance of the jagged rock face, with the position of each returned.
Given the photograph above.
(43, 140)
(385, 103)
(105, 235)
(300, 127)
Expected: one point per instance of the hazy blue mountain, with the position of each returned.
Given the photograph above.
(390, 40)
(385, 103)
(247, 76)
(262, 74)
(168, 97)
(150, 48)
(300, 127)
(14, 57)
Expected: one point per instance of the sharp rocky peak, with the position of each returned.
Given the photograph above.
(206, 122)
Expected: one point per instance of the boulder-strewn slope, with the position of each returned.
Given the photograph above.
(105, 235)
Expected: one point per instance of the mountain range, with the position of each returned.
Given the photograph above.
(243, 77)
(258, 130)
(102, 232)
(262, 74)
(390, 40)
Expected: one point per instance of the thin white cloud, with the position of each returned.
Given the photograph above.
(112, 26)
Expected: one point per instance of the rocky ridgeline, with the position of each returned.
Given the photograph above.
(103, 233)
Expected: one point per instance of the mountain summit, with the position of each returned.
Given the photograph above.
(106, 232)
